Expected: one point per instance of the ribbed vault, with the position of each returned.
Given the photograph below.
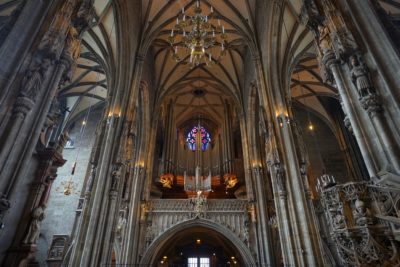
(224, 79)
(96, 65)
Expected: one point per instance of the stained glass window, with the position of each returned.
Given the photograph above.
(191, 138)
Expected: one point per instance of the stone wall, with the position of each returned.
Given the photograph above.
(322, 147)
(60, 213)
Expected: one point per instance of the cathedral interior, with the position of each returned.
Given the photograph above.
(199, 133)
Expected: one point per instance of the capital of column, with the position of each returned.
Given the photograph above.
(140, 57)
(329, 59)
(23, 105)
(371, 104)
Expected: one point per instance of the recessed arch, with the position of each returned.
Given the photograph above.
(156, 247)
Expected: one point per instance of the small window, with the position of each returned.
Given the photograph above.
(192, 262)
(204, 262)
(198, 262)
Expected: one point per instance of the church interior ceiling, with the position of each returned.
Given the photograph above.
(88, 86)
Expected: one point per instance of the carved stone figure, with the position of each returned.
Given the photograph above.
(310, 16)
(121, 224)
(361, 214)
(199, 204)
(252, 211)
(143, 211)
(338, 219)
(280, 177)
(270, 147)
(116, 175)
(37, 216)
(33, 78)
(73, 43)
(324, 40)
(360, 77)
(149, 234)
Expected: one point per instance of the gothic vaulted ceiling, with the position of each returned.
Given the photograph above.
(88, 86)
(224, 79)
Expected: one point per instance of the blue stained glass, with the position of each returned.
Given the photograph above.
(191, 138)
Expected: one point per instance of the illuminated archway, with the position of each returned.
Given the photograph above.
(159, 245)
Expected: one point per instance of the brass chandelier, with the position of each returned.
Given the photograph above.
(199, 34)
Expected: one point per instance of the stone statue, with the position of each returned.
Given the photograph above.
(324, 39)
(360, 77)
(143, 211)
(149, 234)
(361, 214)
(199, 202)
(116, 175)
(33, 78)
(338, 220)
(310, 16)
(73, 45)
(121, 224)
(280, 177)
(252, 211)
(37, 216)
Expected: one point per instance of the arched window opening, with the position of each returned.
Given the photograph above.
(203, 137)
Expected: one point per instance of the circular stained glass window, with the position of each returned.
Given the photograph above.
(191, 138)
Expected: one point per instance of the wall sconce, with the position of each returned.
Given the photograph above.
(281, 119)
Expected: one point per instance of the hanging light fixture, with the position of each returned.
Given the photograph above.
(199, 34)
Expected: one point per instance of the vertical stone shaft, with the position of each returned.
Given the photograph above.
(333, 64)
(267, 258)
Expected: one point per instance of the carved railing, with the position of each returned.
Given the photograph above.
(360, 218)
(162, 214)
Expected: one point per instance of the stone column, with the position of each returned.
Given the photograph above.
(24, 245)
(374, 130)
(329, 59)
(132, 236)
(299, 246)
(94, 224)
(266, 257)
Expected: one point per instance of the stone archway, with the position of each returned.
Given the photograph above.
(150, 255)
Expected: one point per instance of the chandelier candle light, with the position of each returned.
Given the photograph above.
(200, 35)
